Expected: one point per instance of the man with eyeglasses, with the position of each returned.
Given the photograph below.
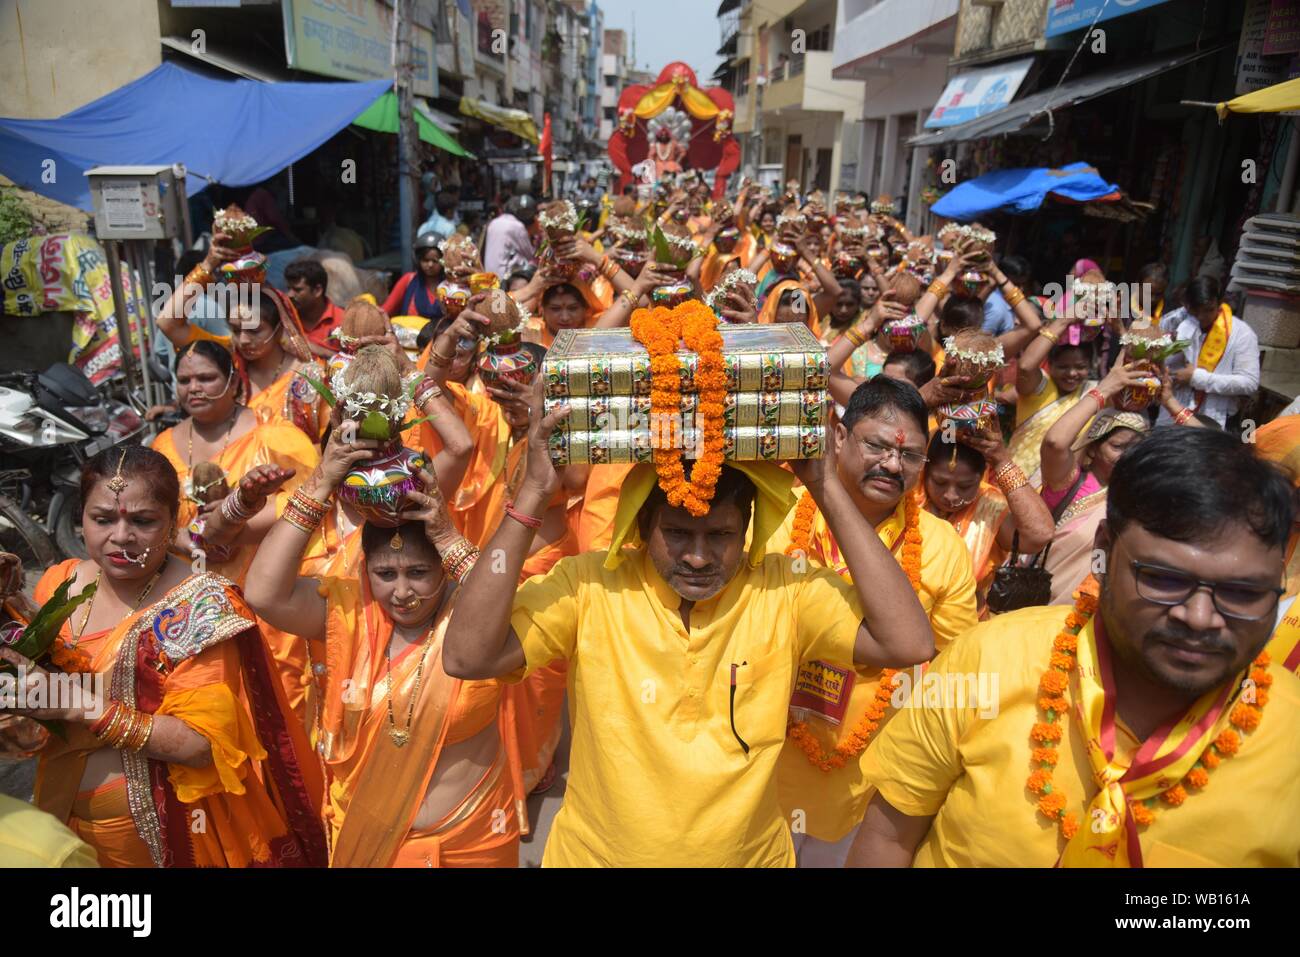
(682, 640)
(1143, 728)
(881, 440)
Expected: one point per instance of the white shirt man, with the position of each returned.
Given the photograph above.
(1235, 377)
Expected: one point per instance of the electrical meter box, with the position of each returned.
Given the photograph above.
(138, 202)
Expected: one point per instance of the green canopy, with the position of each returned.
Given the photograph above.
(381, 116)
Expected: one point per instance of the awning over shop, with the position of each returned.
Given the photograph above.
(1020, 113)
(516, 121)
(381, 116)
(1023, 191)
(1279, 98)
(235, 132)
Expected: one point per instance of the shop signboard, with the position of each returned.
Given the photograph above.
(353, 40)
(969, 96)
(1066, 16)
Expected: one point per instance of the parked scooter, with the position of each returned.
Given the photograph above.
(50, 424)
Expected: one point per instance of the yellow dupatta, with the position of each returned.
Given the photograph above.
(1026, 441)
(1107, 835)
(1215, 345)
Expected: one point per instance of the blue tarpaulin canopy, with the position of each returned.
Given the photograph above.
(1023, 191)
(234, 132)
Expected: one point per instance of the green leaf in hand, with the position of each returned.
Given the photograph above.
(37, 637)
(325, 392)
(1171, 349)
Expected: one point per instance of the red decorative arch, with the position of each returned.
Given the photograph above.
(711, 110)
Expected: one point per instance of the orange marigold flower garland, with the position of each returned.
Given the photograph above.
(1245, 716)
(856, 741)
(659, 330)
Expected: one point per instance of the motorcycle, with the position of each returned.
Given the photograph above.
(51, 422)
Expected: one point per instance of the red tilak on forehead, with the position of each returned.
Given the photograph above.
(900, 437)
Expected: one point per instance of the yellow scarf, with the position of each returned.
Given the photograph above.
(1107, 836)
(1214, 346)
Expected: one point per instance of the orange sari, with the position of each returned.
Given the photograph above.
(273, 443)
(196, 655)
(376, 787)
(291, 399)
(480, 496)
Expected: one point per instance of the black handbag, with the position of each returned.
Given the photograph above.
(1018, 586)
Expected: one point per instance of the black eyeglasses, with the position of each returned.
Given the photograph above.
(1240, 600)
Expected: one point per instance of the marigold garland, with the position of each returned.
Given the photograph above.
(659, 330)
(1245, 715)
(856, 741)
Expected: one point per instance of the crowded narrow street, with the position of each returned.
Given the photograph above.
(521, 434)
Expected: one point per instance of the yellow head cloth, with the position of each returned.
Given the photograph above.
(1279, 442)
(768, 313)
(772, 503)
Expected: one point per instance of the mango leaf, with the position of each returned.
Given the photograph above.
(40, 634)
(375, 426)
(663, 252)
(414, 422)
(325, 392)
(1162, 354)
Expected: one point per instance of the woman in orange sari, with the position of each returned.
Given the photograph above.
(420, 769)
(272, 357)
(220, 430)
(186, 758)
(974, 484)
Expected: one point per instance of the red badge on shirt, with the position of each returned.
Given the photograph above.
(822, 689)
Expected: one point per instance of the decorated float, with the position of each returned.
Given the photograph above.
(673, 126)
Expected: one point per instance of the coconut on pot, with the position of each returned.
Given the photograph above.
(1146, 348)
(975, 354)
(371, 394)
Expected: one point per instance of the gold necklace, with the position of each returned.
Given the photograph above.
(189, 452)
(90, 605)
(401, 735)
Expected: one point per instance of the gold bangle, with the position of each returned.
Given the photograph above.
(200, 275)
(1049, 335)
(1010, 477)
(631, 297)
(309, 504)
(1014, 296)
(297, 523)
(855, 337)
(438, 359)
(938, 288)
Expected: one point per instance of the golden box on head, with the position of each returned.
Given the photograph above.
(775, 408)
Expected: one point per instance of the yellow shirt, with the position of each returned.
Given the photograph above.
(31, 838)
(833, 802)
(969, 769)
(656, 776)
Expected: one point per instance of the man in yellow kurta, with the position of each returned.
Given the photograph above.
(822, 787)
(1142, 728)
(682, 655)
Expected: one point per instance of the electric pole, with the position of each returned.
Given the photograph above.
(408, 148)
